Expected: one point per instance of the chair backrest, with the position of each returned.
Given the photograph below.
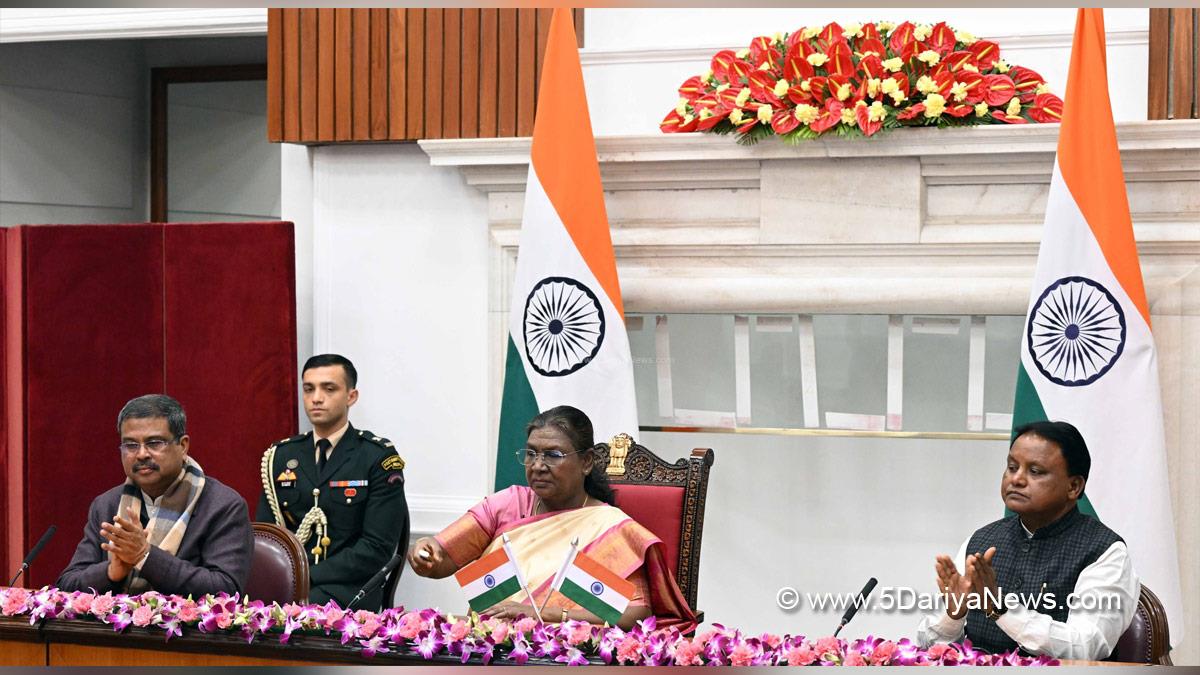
(1148, 638)
(667, 499)
(393, 580)
(279, 569)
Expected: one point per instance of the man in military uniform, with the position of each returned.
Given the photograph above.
(340, 489)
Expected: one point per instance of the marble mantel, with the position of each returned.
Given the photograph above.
(916, 220)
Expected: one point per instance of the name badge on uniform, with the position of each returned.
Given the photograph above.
(347, 483)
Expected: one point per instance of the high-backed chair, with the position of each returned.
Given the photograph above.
(1148, 638)
(279, 568)
(393, 580)
(667, 499)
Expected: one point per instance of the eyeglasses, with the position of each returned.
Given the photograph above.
(155, 445)
(550, 458)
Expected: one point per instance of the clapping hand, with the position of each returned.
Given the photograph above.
(984, 580)
(955, 587)
(126, 540)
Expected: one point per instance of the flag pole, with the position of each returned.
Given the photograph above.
(562, 571)
(521, 578)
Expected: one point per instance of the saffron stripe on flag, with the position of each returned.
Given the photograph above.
(567, 340)
(481, 567)
(496, 594)
(1090, 161)
(591, 603)
(563, 154)
(604, 575)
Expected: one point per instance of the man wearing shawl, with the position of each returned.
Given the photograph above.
(169, 527)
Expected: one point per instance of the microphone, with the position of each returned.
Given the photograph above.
(376, 580)
(858, 602)
(33, 553)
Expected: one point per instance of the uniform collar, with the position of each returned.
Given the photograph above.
(335, 437)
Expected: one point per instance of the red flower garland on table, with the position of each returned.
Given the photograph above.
(859, 80)
(480, 639)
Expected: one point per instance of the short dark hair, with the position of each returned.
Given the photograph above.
(576, 426)
(1067, 438)
(322, 360)
(153, 406)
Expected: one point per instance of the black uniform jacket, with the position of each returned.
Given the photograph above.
(361, 492)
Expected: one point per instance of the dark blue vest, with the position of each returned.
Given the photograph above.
(1048, 563)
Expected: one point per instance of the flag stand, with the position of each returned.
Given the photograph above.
(521, 579)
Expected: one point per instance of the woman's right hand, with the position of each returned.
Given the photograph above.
(428, 559)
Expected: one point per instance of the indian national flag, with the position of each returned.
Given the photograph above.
(567, 343)
(1087, 352)
(595, 588)
(489, 580)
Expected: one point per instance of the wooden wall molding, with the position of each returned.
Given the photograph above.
(1173, 85)
(360, 75)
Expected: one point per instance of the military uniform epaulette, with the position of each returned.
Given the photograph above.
(293, 439)
(381, 442)
(392, 460)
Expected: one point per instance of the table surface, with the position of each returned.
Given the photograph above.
(67, 642)
(90, 643)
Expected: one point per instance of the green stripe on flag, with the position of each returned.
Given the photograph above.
(517, 407)
(591, 603)
(497, 593)
(1027, 407)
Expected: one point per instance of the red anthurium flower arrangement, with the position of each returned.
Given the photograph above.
(859, 80)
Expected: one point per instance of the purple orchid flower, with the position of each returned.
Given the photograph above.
(172, 628)
(572, 657)
(486, 649)
(348, 627)
(520, 650)
(373, 646)
(289, 626)
(119, 622)
(429, 644)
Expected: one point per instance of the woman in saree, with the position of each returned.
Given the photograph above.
(568, 496)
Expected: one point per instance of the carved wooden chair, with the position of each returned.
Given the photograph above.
(279, 566)
(667, 499)
(1148, 638)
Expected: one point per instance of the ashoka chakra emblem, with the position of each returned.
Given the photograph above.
(1076, 331)
(564, 326)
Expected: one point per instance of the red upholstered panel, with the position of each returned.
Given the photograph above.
(231, 342)
(93, 319)
(5, 508)
(659, 509)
